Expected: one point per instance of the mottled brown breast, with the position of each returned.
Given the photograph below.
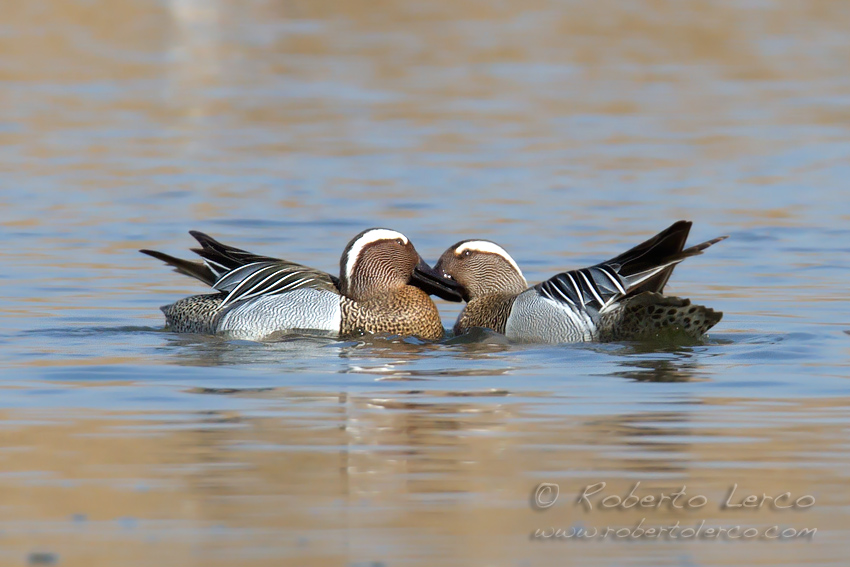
(490, 311)
(408, 312)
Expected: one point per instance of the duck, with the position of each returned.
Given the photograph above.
(383, 287)
(616, 300)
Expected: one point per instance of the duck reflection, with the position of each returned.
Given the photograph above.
(279, 467)
(410, 359)
(661, 370)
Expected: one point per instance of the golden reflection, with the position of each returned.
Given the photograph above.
(426, 464)
(390, 51)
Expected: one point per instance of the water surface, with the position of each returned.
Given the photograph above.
(566, 131)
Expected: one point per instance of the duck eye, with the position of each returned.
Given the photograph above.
(467, 253)
(399, 242)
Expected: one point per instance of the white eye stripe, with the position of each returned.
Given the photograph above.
(364, 240)
(489, 248)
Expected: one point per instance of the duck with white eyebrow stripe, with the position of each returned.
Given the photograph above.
(383, 287)
(620, 299)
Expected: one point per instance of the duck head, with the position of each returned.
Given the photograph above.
(481, 267)
(379, 260)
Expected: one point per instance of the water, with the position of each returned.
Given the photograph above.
(567, 132)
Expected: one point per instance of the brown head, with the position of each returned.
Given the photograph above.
(379, 261)
(481, 267)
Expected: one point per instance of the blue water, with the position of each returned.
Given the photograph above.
(566, 132)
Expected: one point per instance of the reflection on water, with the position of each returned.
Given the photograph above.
(660, 371)
(280, 472)
(566, 131)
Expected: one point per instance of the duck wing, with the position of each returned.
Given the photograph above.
(646, 267)
(244, 275)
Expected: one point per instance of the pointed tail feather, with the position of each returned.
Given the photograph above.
(666, 243)
(223, 258)
(697, 249)
(219, 259)
(644, 268)
(649, 265)
(197, 270)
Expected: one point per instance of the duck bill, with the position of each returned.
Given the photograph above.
(433, 282)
